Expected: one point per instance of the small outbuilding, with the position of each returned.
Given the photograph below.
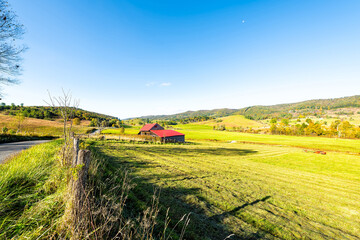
(156, 130)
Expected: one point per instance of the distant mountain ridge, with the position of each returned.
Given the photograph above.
(284, 110)
(189, 114)
(262, 112)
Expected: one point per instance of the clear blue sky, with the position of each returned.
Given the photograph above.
(141, 57)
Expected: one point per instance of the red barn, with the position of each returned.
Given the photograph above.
(166, 135)
(146, 129)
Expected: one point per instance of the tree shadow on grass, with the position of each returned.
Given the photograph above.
(180, 200)
(223, 215)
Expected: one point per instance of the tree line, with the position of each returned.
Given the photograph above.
(338, 128)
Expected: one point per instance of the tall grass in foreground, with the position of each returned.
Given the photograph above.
(32, 187)
(36, 200)
(106, 214)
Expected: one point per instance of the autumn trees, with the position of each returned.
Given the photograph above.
(338, 128)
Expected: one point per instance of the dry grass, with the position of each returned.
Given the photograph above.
(40, 126)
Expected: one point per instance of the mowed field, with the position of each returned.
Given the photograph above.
(254, 191)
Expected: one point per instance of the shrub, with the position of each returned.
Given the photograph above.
(76, 121)
(4, 130)
(90, 130)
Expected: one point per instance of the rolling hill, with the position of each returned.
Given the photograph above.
(223, 112)
(309, 107)
(305, 107)
(40, 126)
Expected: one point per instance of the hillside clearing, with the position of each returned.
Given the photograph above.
(232, 121)
(40, 126)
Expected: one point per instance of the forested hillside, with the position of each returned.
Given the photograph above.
(193, 114)
(310, 107)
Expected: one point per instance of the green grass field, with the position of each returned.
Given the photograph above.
(32, 190)
(133, 130)
(321, 143)
(205, 132)
(251, 190)
(259, 187)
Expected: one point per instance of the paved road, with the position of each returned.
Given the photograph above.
(7, 149)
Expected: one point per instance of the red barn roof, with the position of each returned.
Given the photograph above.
(148, 127)
(167, 133)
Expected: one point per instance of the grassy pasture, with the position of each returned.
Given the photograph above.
(133, 130)
(321, 143)
(204, 132)
(254, 191)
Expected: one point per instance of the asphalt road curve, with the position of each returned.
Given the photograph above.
(7, 149)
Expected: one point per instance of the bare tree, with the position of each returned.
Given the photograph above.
(67, 107)
(19, 121)
(10, 52)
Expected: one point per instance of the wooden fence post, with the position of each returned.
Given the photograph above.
(81, 168)
(76, 151)
(83, 160)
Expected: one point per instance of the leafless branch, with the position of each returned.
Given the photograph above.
(67, 107)
(10, 52)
